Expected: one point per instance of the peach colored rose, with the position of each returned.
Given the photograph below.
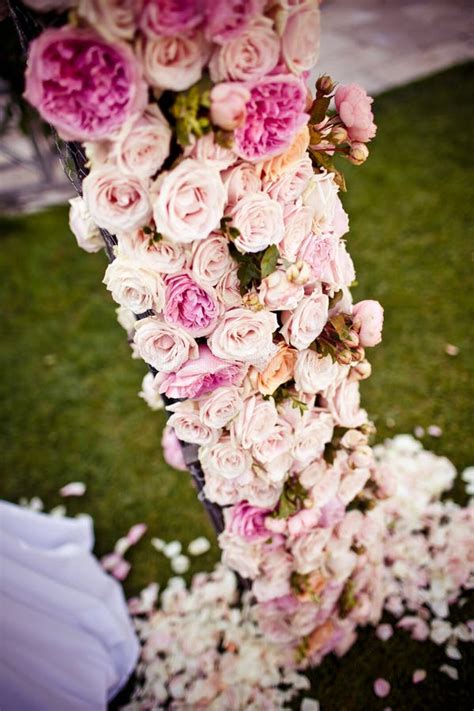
(278, 371)
(274, 167)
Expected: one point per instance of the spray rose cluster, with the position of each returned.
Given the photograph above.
(231, 252)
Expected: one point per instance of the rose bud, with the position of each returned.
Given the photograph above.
(369, 314)
(351, 340)
(358, 153)
(353, 439)
(324, 85)
(228, 101)
(344, 357)
(338, 135)
(362, 370)
(361, 458)
(299, 273)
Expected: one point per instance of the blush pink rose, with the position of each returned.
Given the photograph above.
(275, 114)
(300, 39)
(200, 376)
(187, 425)
(254, 422)
(228, 101)
(227, 19)
(164, 346)
(83, 85)
(211, 259)
(259, 220)
(143, 143)
(245, 336)
(239, 181)
(173, 63)
(247, 522)
(290, 186)
(250, 56)
(277, 293)
(171, 17)
(303, 325)
(221, 406)
(298, 220)
(172, 452)
(354, 108)
(369, 314)
(114, 19)
(343, 402)
(163, 256)
(190, 305)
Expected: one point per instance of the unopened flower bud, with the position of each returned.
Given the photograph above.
(368, 428)
(308, 503)
(252, 302)
(344, 357)
(299, 273)
(351, 340)
(358, 354)
(361, 458)
(324, 85)
(358, 153)
(353, 439)
(362, 370)
(338, 135)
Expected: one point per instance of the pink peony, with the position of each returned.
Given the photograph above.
(190, 305)
(200, 376)
(353, 106)
(171, 17)
(172, 452)
(247, 522)
(228, 101)
(369, 314)
(86, 87)
(227, 19)
(275, 113)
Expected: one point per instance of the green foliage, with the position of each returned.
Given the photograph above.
(191, 111)
(253, 267)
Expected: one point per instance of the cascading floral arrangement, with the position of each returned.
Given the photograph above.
(212, 164)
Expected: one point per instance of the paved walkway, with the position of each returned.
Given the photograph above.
(377, 43)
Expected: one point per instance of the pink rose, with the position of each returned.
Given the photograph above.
(369, 314)
(226, 19)
(242, 555)
(307, 549)
(311, 436)
(239, 181)
(190, 201)
(71, 71)
(174, 63)
(219, 408)
(164, 346)
(172, 452)
(187, 425)
(313, 372)
(343, 402)
(228, 101)
(83, 227)
(288, 187)
(300, 39)
(271, 450)
(228, 289)
(163, 256)
(245, 336)
(298, 221)
(354, 108)
(211, 259)
(250, 56)
(190, 305)
(254, 422)
(274, 578)
(259, 220)
(278, 294)
(275, 114)
(247, 521)
(207, 150)
(200, 376)
(117, 202)
(303, 325)
(339, 271)
(114, 19)
(168, 17)
(143, 143)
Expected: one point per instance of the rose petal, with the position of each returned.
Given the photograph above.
(75, 488)
(381, 688)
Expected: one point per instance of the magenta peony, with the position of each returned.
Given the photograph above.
(275, 113)
(84, 86)
(247, 521)
(354, 108)
(227, 19)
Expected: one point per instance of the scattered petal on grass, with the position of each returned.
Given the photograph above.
(180, 563)
(434, 431)
(136, 532)
(450, 671)
(418, 676)
(75, 488)
(384, 632)
(50, 359)
(109, 561)
(36, 504)
(453, 652)
(172, 549)
(419, 432)
(58, 511)
(309, 705)
(451, 350)
(440, 631)
(121, 546)
(199, 546)
(158, 544)
(121, 570)
(381, 688)
(417, 627)
(465, 632)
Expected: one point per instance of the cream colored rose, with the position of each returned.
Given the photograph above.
(113, 19)
(211, 259)
(259, 220)
(278, 371)
(278, 442)
(302, 326)
(162, 345)
(272, 168)
(311, 436)
(321, 197)
(174, 63)
(240, 555)
(228, 289)
(219, 408)
(162, 255)
(239, 181)
(117, 202)
(150, 394)
(278, 294)
(245, 336)
(126, 319)
(313, 372)
(187, 425)
(298, 220)
(143, 143)
(249, 56)
(307, 549)
(134, 286)
(83, 227)
(189, 201)
(254, 421)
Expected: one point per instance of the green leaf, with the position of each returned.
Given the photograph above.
(269, 260)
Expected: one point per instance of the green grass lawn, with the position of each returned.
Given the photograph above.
(69, 405)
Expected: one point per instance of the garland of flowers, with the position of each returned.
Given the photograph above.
(212, 165)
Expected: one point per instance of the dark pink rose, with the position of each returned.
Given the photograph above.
(171, 17)
(200, 376)
(226, 19)
(190, 305)
(354, 108)
(247, 522)
(84, 86)
(275, 113)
